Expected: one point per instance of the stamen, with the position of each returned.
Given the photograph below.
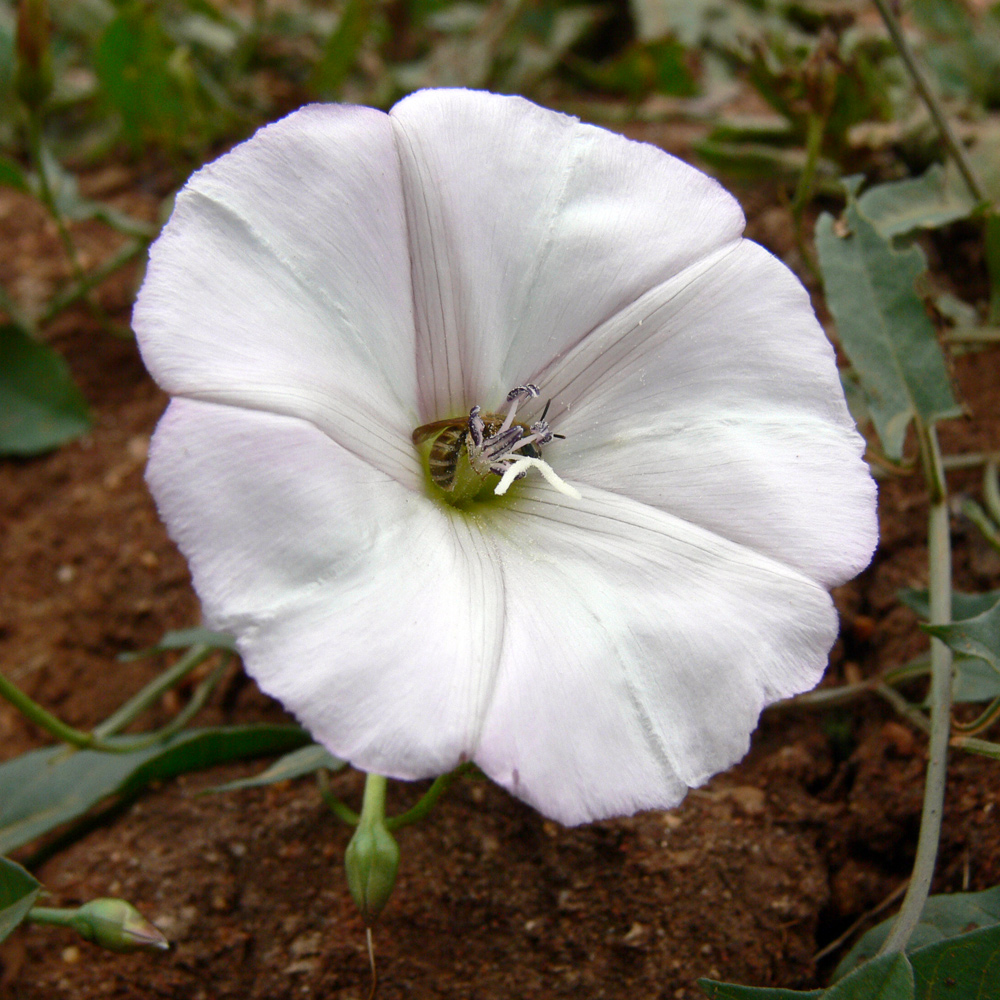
(518, 469)
(476, 426)
(514, 397)
(463, 453)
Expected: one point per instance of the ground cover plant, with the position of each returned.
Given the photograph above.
(865, 147)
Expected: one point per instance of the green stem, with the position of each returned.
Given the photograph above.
(341, 811)
(97, 740)
(373, 801)
(969, 460)
(82, 288)
(973, 335)
(153, 692)
(939, 542)
(441, 784)
(195, 704)
(982, 521)
(927, 95)
(57, 917)
(986, 719)
(815, 129)
(901, 705)
(44, 719)
(36, 148)
(991, 489)
(973, 745)
(826, 697)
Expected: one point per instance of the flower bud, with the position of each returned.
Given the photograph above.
(371, 862)
(117, 926)
(34, 56)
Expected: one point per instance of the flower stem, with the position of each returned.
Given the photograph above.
(441, 784)
(940, 698)
(54, 916)
(927, 95)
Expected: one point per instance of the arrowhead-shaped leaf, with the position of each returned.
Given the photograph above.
(883, 326)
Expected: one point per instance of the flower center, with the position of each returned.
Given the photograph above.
(462, 454)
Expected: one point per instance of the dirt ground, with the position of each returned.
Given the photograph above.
(746, 881)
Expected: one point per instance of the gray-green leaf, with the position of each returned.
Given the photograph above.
(924, 202)
(296, 764)
(979, 636)
(40, 407)
(966, 967)
(883, 326)
(45, 788)
(889, 977)
(184, 638)
(944, 917)
(18, 890)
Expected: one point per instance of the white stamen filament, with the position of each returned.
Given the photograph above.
(526, 462)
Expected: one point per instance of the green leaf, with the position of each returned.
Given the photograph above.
(18, 890)
(12, 175)
(296, 764)
(962, 968)
(184, 638)
(45, 788)
(924, 202)
(975, 679)
(944, 917)
(40, 407)
(135, 64)
(962, 605)
(733, 991)
(883, 326)
(342, 47)
(979, 636)
(888, 977)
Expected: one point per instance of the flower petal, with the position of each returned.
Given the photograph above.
(372, 613)
(528, 229)
(638, 654)
(282, 282)
(595, 656)
(716, 398)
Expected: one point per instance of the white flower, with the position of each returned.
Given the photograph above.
(346, 277)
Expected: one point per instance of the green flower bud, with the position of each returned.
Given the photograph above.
(371, 862)
(117, 926)
(34, 57)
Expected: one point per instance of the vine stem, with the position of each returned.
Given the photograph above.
(927, 95)
(940, 698)
(97, 739)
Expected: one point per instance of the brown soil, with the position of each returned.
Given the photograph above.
(746, 881)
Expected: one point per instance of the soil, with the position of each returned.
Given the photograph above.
(747, 881)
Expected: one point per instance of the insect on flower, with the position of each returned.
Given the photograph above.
(489, 442)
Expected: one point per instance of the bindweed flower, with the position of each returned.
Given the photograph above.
(373, 324)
